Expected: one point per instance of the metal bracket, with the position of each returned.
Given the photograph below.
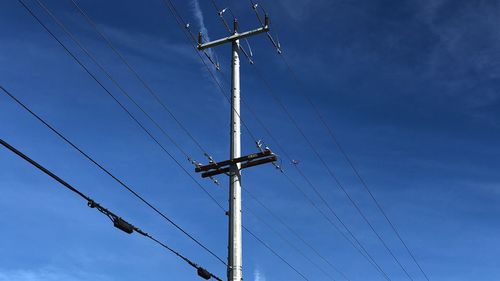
(247, 161)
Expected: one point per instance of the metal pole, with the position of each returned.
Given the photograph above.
(234, 267)
(235, 271)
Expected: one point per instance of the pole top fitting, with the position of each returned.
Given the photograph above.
(200, 38)
(235, 25)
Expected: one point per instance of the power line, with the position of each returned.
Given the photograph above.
(133, 118)
(106, 171)
(291, 244)
(128, 188)
(322, 198)
(140, 79)
(360, 178)
(343, 152)
(182, 24)
(275, 253)
(117, 221)
(324, 163)
(366, 255)
(362, 251)
(115, 82)
(146, 131)
(336, 180)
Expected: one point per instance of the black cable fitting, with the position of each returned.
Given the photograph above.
(123, 225)
(203, 273)
(91, 204)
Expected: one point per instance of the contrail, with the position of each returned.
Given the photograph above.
(198, 14)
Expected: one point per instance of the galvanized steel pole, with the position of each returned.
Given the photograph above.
(235, 266)
(235, 271)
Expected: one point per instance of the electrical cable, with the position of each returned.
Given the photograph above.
(345, 155)
(139, 78)
(361, 179)
(86, 155)
(117, 221)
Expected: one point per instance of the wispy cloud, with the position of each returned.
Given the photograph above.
(198, 14)
(258, 275)
(47, 274)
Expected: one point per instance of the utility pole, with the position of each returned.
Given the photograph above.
(235, 163)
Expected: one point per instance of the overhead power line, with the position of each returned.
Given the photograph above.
(357, 173)
(335, 140)
(118, 222)
(316, 190)
(107, 172)
(348, 160)
(346, 156)
(139, 77)
(146, 131)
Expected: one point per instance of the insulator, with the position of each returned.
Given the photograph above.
(203, 273)
(200, 38)
(235, 25)
(123, 225)
(266, 20)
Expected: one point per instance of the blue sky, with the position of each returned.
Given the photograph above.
(411, 89)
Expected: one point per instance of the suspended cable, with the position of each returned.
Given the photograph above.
(181, 22)
(115, 82)
(118, 222)
(334, 177)
(106, 171)
(148, 133)
(352, 166)
(138, 123)
(360, 178)
(291, 244)
(275, 253)
(343, 152)
(139, 78)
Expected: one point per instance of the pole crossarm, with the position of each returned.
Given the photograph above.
(247, 161)
(234, 37)
(217, 165)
